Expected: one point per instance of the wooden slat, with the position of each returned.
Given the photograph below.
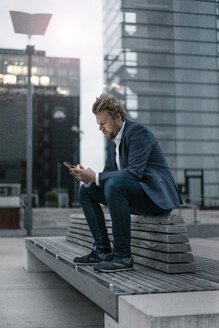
(80, 242)
(160, 237)
(168, 248)
(165, 267)
(88, 239)
(164, 228)
(163, 257)
(160, 219)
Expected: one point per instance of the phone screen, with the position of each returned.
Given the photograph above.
(69, 165)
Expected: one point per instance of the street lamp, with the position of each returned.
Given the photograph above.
(29, 24)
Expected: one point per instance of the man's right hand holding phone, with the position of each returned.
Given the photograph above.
(80, 173)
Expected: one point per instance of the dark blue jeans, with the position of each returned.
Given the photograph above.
(123, 197)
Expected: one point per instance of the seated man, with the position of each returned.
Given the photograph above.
(136, 180)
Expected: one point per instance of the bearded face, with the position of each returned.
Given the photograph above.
(109, 125)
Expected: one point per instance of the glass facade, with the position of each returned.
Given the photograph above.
(161, 60)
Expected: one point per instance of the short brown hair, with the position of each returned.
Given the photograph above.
(109, 103)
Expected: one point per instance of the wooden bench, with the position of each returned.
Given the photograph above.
(159, 242)
(160, 246)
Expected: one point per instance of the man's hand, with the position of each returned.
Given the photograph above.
(84, 175)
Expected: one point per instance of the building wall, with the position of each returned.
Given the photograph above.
(161, 60)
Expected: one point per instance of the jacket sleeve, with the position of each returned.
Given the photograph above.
(138, 143)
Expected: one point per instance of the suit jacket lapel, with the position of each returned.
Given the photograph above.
(113, 155)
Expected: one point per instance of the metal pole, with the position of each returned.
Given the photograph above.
(28, 216)
(59, 182)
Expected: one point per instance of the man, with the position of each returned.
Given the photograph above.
(136, 180)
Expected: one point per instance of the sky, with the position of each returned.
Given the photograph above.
(75, 31)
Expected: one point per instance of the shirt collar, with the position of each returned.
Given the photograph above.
(119, 135)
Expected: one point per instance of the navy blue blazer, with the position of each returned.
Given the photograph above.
(142, 160)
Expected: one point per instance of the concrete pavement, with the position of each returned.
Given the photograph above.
(39, 300)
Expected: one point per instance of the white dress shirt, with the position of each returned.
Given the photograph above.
(117, 141)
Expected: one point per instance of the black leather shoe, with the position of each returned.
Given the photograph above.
(93, 257)
(115, 264)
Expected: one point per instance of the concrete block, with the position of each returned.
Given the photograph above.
(32, 264)
(109, 322)
(175, 310)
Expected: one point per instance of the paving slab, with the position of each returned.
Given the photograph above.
(208, 248)
(39, 300)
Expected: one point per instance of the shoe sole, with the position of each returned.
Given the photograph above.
(86, 263)
(115, 270)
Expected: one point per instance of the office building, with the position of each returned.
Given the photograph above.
(56, 112)
(161, 60)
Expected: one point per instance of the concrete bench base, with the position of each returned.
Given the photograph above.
(175, 310)
(33, 264)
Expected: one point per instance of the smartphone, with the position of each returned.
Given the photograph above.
(69, 165)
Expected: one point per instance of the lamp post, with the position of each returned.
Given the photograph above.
(29, 24)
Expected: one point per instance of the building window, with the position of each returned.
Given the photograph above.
(17, 69)
(130, 17)
(44, 80)
(2, 173)
(10, 79)
(35, 80)
(132, 71)
(130, 29)
(131, 58)
(63, 91)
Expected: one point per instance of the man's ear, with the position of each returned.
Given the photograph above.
(119, 116)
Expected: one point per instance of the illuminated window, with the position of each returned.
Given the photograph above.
(130, 17)
(131, 58)
(35, 80)
(133, 114)
(10, 79)
(44, 80)
(24, 70)
(132, 71)
(63, 91)
(14, 69)
(130, 29)
(132, 103)
(115, 85)
(33, 70)
(20, 81)
(17, 70)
